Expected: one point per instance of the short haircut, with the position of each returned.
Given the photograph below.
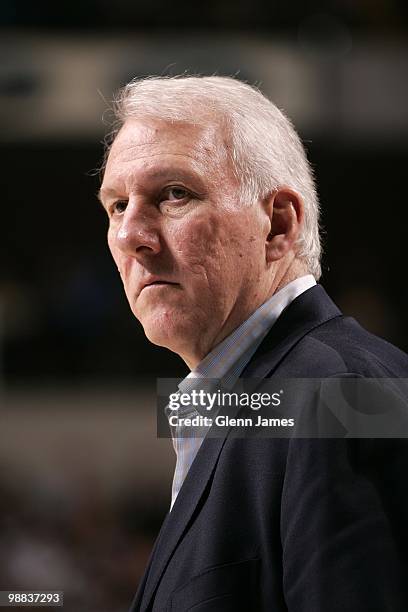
(265, 150)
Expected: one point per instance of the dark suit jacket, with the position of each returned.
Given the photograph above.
(305, 525)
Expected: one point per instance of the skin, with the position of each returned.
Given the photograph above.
(175, 222)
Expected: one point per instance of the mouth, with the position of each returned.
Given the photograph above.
(157, 283)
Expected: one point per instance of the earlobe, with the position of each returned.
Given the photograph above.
(277, 247)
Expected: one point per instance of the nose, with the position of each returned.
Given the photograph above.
(137, 234)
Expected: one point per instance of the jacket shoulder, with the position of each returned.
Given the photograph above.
(340, 346)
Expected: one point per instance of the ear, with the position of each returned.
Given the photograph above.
(285, 210)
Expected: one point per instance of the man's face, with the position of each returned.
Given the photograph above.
(190, 256)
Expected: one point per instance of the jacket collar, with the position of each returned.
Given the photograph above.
(308, 311)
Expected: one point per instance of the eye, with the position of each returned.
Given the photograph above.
(118, 207)
(174, 194)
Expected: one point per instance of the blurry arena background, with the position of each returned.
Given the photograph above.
(84, 482)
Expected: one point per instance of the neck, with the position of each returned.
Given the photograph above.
(287, 272)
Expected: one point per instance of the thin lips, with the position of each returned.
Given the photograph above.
(151, 280)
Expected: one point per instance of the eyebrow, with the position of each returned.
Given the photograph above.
(106, 190)
(154, 175)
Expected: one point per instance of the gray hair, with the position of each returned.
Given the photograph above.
(265, 150)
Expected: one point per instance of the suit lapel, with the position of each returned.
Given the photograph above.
(176, 522)
(306, 312)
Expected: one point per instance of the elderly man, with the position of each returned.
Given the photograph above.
(213, 225)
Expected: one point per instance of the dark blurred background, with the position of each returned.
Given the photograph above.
(84, 483)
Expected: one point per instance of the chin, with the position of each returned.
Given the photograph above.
(167, 331)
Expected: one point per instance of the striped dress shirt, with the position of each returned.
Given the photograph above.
(227, 361)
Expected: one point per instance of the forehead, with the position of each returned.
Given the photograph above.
(152, 142)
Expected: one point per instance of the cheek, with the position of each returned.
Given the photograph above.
(200, 249)
(122, 263)
(210, 255)
(111, 245)
(120, 259)
(116, 255)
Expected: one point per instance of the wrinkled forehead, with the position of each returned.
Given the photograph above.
(203, 142)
